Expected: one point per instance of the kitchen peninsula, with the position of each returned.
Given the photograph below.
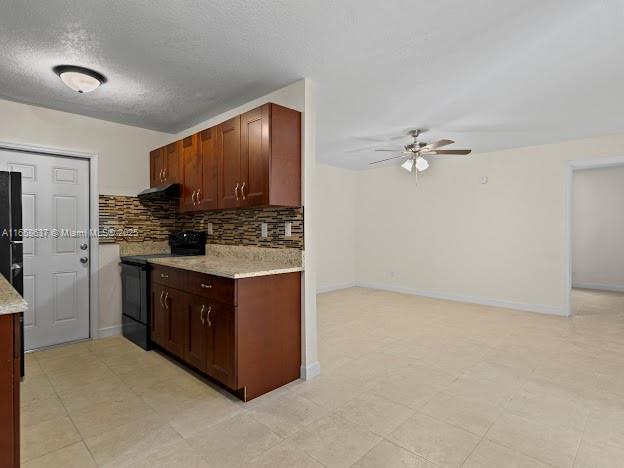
(233, 314)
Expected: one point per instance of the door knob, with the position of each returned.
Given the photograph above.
(83, 246)
(84, 259)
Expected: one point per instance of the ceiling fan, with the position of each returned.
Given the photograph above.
(417, 151)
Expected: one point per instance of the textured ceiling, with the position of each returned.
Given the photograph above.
(489, 74)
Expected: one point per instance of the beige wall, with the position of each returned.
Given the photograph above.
(502, 243)
(336, 228)
(598, 229)
(122, 150)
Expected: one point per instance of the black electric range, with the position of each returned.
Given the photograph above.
(135, 284)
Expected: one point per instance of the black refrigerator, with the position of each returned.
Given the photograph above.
(11, 246)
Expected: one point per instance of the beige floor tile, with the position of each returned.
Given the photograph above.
(65, 381)
(286, 413)
(493, 392)
(37, 411)
(131, 442)
(72, 456)
(284, 455)
(334, 441)
(556, 445)
(435, 440)
(99, 418)
(234, 442)
(36, 387)
(375, 413)
(605, 426)
(95, 392)
(474, 415)
(31, 365)
(491, 455)
(48, 436)
(177, 454)
(386, 455)
(197, 416)
(599, 456)
(409, 391)
(330, 391)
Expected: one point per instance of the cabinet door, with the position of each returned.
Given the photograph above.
(228, 141)
(156, 167)
(159, 319)
(195, 349)
(172, 162)
(255, 149)
(209, 189)
(177, 306)
(191, 173)
(221, 346)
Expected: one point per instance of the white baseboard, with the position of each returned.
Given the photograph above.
(334, 287)
(538, 308)
(310, 371)
(600, 286)
(105, 332)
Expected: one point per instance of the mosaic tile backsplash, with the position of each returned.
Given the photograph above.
(124, 218)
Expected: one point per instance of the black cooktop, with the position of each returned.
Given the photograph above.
(182, 243)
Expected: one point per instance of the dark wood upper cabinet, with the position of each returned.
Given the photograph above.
(172, 159)
(191, 173)
(209, 189)
(229, 160)
(255, 154)
(251, 160)
(271, 157)
(156, 167)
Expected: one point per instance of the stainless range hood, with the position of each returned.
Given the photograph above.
(164, 191)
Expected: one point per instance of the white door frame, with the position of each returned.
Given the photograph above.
(596, 163)
(94, 222)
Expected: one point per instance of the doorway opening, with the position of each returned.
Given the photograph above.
(595, 247)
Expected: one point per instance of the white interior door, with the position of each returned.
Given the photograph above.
(55, 199)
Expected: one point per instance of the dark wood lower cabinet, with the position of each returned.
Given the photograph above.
(245, 334)
(10, 346)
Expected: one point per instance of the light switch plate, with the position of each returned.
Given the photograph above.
(209, 229)
(264, 228)
(287, 229)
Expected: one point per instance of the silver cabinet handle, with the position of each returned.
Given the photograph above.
(236, 191)
(166, 297)
(162, 293)
(193, 197)
(162, 175)
(162, 275)
(201, 314)
(84, 260)
(209, 310)
(197, 197)
(243, 190)
(206, 286)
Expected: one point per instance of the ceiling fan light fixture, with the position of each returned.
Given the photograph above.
(408, 165)
(80, 79)
(421, 164)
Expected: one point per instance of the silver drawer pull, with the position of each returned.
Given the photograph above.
(208, 317)
(162, 275)
(206, 286)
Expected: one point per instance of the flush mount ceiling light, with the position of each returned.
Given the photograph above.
(80, 79)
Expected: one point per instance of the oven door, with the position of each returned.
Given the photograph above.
(134, 291)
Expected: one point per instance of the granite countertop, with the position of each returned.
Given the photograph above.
(228, 266)
(10, 300)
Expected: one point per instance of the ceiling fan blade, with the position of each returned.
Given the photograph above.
(388, 159)
(394, 150)
(458, 151)
(436, 144)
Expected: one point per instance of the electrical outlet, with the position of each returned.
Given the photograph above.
(287, 229)
(209, 229)
(264, 229)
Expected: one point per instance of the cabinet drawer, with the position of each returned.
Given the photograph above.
(213, 287)
(168, 276)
